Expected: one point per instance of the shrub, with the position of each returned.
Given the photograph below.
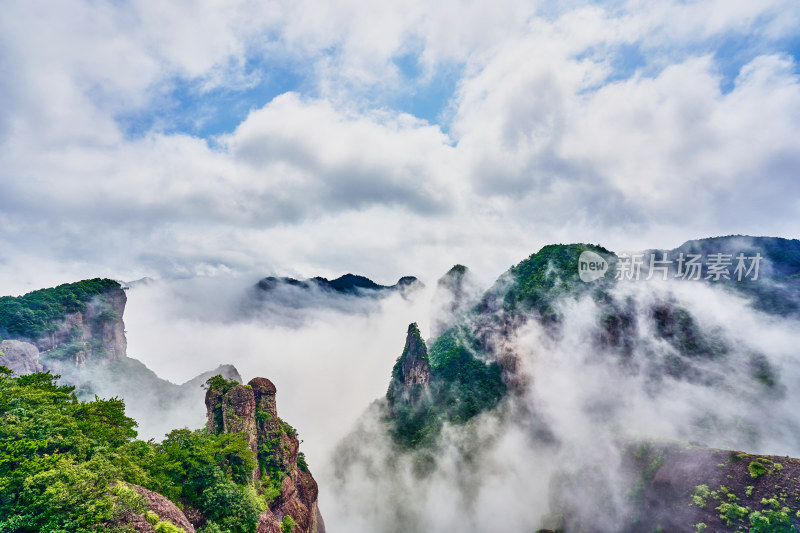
(756, 469)
(233, 507)
(301, 462)
(210, 527)
(127, 500)
(287, 524)
(701, 492)
(168, 527)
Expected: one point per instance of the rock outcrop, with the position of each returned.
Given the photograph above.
(412, 372)
(21, 357)
(159, 509)
(414, 366)
(95, 333)
(252, 409)
(69, 325)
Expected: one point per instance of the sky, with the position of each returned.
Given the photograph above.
(198, 138)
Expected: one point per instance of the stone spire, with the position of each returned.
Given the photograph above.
(411, 373)
(414, 366)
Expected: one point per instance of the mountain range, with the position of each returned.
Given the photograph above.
(650, 398)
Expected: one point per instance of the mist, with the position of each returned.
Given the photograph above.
(559, 445)
(329, 355)
(558, 440)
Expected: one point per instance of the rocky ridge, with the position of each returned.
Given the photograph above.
(92, 332)
(82, 339)
(252, 409)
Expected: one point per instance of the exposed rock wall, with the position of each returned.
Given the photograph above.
(161, 506)
(99, 329)
(415, 369)
(411, 373)
(96, 334)
(21, 357)
(252, 409)
(238, 413)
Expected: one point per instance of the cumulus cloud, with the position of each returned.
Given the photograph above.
(547, 137)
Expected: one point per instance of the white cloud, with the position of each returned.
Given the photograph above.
(545, 143)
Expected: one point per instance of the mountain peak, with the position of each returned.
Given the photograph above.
(412, 372)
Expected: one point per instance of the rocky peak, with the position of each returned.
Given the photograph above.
(411, 373)
(97, 332)
(238, 413)
(252, 409)
(70, 324)
(414, 366)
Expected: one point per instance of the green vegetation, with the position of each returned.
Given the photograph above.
(462, 385)
(756, 469)
(39, 312)
(220, 383)
(64, 465)
(676, 326)
(168, 527)
(287, 524)
(465, 380)
(775, 514)
(700, 494)
(548, 274)
(301, 462)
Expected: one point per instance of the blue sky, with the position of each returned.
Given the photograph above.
(186, 106)
(386, 139)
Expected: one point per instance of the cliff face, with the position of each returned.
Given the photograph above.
(414, 367)
(411, 373)
(67, 326)
(159, 508)
(252, 409)
(97, 333)
(21, 357)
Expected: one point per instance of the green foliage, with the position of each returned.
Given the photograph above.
(288, 429)
(541, 278)
(219, 382)
(263, 416)
(287, 524)
(732, 512)
(462, 386)
(271, 488)
(234, 507)
(105, 420)
(59, 457)
(772, 521)
(701, 493)
(211, 527)
(187, 462)
(65, 351)
(64, 464)
(168, 527)
(127, 501)
(301, 462)
(39, 312)
(151, 517)
(756, 469)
